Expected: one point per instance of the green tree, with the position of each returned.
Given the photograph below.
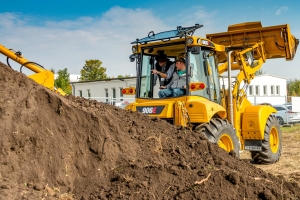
(63, 81)
(294, 87)
(120, 76)
(92, 71)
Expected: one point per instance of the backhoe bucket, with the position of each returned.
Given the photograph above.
(278, 40)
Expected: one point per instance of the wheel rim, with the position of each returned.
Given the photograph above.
(274, 140)
(225, 142)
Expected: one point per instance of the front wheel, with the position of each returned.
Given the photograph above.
(221, 132)
(271, 144)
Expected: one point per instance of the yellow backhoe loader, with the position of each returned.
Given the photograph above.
(42, 76)
(224, 115)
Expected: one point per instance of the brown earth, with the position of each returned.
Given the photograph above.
(73, 148)
(289, 164)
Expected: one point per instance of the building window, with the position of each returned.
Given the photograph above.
(89, 93)
(272, 89)
(121, 94)
(277, 89)
(106, 95)
(265, 90)
(257, 90)
(80, 93)
(251, 90)
(114, 92)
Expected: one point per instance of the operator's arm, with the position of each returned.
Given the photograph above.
(169, 73)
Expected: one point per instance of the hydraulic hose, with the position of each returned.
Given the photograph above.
(30, 63)
(7, 61)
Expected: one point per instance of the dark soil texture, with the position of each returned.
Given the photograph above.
(54, 147)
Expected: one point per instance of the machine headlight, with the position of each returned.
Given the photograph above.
(204, 42)
(133, 49)
(199, 41)
(190, 40)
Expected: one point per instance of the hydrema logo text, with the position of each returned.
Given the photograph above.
(154, 110)
(149, 110)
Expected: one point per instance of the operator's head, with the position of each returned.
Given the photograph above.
(162, 59)
(180, 64)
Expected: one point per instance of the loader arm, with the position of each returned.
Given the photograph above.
(42, 76)
(256, 45)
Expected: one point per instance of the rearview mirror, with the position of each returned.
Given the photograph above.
(132, 58)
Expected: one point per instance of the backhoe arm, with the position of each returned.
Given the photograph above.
(41, 76)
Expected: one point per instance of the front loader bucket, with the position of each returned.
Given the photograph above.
(278, 40)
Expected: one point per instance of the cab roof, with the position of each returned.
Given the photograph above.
(167, 35)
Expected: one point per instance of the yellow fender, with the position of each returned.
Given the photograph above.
(254, 121)
(201, 110)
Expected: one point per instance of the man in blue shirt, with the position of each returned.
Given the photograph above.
(177, 86)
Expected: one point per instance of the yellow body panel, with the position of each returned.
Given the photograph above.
(254, 121)
(200, 109)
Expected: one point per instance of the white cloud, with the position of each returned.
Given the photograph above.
(68, 43)
(281, 9)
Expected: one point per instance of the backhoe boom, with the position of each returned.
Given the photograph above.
(41, 76)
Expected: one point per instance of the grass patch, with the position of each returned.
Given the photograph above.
(289, 162)
(293, 129)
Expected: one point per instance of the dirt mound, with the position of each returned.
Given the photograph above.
(63, 148)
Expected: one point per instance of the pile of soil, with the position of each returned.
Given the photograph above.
(54, 147)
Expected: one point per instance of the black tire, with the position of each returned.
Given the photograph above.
(280, 120)
(267, 156)
(216, 128)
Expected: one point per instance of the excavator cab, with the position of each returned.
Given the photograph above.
(200, 56)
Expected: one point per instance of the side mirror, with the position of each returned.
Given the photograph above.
(132, 58)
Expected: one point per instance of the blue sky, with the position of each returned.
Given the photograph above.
(65, 33)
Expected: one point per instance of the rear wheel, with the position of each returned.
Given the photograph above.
(221, 132)
(271, 145)
(280, 120)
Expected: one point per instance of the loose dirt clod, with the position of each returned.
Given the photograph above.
(53, 147)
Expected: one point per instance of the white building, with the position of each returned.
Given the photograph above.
(265, 88)
(73, 77)
(109, 90)
(262, 89)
